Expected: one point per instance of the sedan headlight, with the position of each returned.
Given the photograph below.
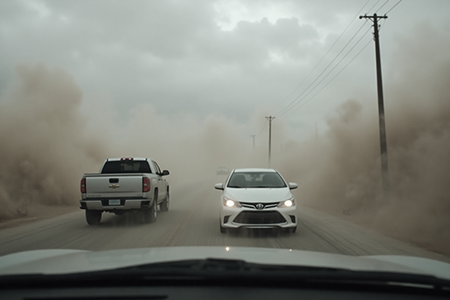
(230, 203)
(287, 203)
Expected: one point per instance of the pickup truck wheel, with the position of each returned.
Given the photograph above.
(150, 215)
(164, 206)
(93, 217)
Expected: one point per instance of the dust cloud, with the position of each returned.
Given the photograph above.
(50, 135)
(339, 171)
(44, 145)
(48, 141)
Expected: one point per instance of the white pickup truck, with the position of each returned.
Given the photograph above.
(123, 185)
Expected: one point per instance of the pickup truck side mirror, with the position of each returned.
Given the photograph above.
(164, 173)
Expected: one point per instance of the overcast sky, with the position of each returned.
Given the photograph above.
(296, 60)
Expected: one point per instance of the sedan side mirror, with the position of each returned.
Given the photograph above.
(293, 185)
(218, 186)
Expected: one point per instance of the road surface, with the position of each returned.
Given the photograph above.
(193, 221)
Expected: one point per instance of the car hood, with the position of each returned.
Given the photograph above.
(54, 261)
(258, 194)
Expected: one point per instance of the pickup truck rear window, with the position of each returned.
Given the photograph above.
(126, 167)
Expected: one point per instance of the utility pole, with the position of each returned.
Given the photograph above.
(270, 135)
(381, 117)
(253, 135)
(316, 131)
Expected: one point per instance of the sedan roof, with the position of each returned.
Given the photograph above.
(254, 170)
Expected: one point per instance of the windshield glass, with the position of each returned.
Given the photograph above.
(256, 180)
(319, 126)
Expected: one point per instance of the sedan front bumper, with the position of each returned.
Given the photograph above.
(240, 217)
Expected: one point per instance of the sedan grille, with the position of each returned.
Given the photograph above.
(259, 206)
(260, 217)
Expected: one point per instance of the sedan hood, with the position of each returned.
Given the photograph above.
(256, 195)
(74, 261)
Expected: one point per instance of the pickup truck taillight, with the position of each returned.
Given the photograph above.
(145, 184)
(83, 185)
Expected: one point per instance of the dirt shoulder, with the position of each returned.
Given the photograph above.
(367, 220)
(39, 212)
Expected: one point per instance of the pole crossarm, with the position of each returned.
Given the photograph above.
(374, 17)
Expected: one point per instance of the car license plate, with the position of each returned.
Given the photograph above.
(114, 202)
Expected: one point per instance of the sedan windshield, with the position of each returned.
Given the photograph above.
(256, 180)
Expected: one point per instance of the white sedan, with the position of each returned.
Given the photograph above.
(257, 198)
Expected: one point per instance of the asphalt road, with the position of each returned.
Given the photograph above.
(193, 221)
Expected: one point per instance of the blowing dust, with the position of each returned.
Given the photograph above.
(44, 144)
(340, 170)
(49, 139)
(47, 143)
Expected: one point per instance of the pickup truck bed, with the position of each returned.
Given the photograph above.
(122, 186)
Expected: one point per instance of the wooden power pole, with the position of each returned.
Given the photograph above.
(270, 136)
(381, 117)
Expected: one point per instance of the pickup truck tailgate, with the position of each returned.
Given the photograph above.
(114, 186)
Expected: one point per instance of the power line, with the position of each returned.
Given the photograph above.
(262, 129)
(348, 52)
(382, 6)
(323, 57)
(334, 77)
(393, 7)
(370, 9)
(299, 98)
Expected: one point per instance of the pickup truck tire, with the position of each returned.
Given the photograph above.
(164, 206)
(151, 214)
(93, 217)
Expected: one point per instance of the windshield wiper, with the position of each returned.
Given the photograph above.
(221, 271)
(211, 269)
(224, 267)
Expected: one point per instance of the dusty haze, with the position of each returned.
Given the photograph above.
(49, 139)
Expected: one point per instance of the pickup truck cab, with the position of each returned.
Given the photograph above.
(125, 185)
